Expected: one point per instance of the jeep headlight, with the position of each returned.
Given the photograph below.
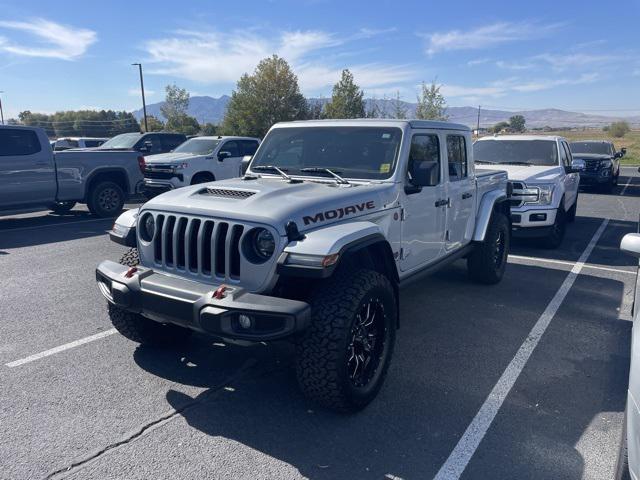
(147, 227)
(259, 245)
(545, 194)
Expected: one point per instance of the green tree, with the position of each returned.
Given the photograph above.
(619, 129)
(82, 123)
(500, 126)
(431, 103)
(315, 110)
(183, 123)
(209, 129)
(347, 99)
(155, 125)
(268, 96)
(176, 102)
(517, 123)
(398, 107)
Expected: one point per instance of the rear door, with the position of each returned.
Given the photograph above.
(424, 209)
(170, 142)
(461, 193)
(27, 173)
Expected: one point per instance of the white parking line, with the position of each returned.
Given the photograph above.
(624, 189)
(61, 348)
(475, 432)
(564, 262)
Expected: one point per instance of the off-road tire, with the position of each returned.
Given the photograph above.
(487, 262)
(571, 214)
(131, 258)
(558, 230)
(323, 353)
(202, 178)
(106, 199)
(62, 207)
(141, 330)
(622, 465)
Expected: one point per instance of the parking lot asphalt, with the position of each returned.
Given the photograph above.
(469, 394)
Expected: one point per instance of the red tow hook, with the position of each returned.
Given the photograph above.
(130, 272)
(219, 294)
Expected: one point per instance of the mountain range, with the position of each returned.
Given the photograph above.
(207, 109)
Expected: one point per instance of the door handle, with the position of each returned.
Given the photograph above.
(442, 202)
(466, 195)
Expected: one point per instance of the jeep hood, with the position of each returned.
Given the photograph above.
(273, 201)
(533, 173)
(171, 157)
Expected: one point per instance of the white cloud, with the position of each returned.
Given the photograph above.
(514, 65)
(576, 60)
(54, 40)
(485, 36)
(478, 61)
(217, 58)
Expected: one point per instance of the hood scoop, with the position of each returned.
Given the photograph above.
(226, 193)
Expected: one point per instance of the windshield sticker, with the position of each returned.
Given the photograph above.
(385, 167)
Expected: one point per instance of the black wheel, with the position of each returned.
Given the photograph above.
(343, 357)
(607, 187)
(571, 214)
(62, 207)
(489, 259)
(106, 199)
(131, 258)
(138, 328)
(202, 178)
(622, 465)
(559, 228)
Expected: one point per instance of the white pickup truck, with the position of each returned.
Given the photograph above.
(198, 160)
(544, 179)
(33, 177)
(312, 244)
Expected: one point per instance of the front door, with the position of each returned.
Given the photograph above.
(571, 180)
(228, 166)
(27, 174)
(424, 216)
(462, 189)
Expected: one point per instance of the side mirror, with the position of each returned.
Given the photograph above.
(623, 151)
(619, 154)
(630, 244)
(578, 165)
(244, 165)
(424, 173)
(223, 154)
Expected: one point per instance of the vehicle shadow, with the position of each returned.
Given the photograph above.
(18, 232)
(455, 340)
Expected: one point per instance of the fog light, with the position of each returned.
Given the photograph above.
(245, 321)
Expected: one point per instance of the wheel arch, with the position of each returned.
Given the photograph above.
(494, 201)
(203, 173)
(116, 175)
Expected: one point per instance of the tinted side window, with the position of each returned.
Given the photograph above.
(232, 148)
(249, 147)
(93, 143)
(170, 142)
(425, 148)
(457, 157)
(18, 142)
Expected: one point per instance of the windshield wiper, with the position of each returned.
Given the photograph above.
(516, 163)
(333, 173)
(486, 161)
(273, 168)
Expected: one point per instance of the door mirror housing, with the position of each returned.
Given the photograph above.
(424, 173)
(223, 154)
(623, 151)
(630, 244)
(618, 155)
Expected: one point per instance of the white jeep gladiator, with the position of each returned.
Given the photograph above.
(312, 244)
(198, 160)
(544, 180)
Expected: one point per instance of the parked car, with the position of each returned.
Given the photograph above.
(67, 143)
(602, 163)
(312, 244)
(32, 176)
(629, 455)
(198, 160)
(145, 143)
(544, 181)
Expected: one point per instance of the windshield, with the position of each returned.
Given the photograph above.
(352, 152)
(198, 146)
(530, 152)
(124, 140)
(590, 147)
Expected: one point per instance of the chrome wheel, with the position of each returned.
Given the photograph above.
(367, 342)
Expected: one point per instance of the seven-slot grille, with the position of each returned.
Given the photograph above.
(205, 247)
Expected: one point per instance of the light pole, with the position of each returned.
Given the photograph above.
(1, 113)
(144, 104)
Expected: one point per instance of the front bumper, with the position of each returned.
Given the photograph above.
(168, 299)
(595, 178)
(532, 218)
(156, 187)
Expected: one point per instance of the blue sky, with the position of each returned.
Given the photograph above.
(575, 55)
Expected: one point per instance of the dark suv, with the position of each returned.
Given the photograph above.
(601, 163)
(146, 143)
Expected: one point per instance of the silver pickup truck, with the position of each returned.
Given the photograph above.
(32, 176)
